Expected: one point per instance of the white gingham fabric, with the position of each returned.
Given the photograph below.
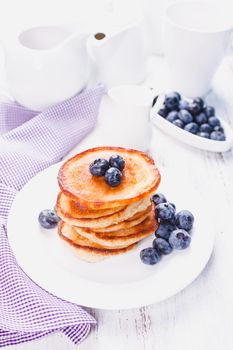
(28, 312)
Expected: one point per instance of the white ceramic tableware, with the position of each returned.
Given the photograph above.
(46, 65)
(187, 137)
(196, 38)
(120, 282)
(154, 11)
(128, 122)
(119, 56)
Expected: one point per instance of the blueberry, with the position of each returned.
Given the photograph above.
(217, 136)
(194, 108)
(177, 94)
(48, 218)
(205, 128)
(213, 121)
(209, 111)
(199, 101)
(183, 104)
(185, 116)
(172, 220)
(165, 228)
(201, 118)
(172, 100)
(158, 198)
(113, 177)
(150, 256)
(184, 220)
(206, 135)
(117, 161)
(172, 116)
(165, 211)
(219, 128)
(99, 167)
(180, 239)
(163, 112)
(178, 123)
(191, 127)
(162, 246)
(173, 205)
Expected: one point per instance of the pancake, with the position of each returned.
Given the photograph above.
(119, 241)
(141, 227)
(135, 220)
(140, 179)
(73, 210)
(109, 220)
(70, 233)
(87, 253)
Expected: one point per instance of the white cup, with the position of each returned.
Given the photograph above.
(196, 38)
(129, 119)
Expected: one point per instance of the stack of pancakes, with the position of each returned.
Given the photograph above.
(99, 220)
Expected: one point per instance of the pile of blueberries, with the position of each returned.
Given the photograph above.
(173, 231)
(194, 117)
(110, 169)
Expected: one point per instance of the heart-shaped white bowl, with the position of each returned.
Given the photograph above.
(187, 137)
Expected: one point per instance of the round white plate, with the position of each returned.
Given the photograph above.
(188, 138)
(119, 282)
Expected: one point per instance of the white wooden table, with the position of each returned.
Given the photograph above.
(201, 316)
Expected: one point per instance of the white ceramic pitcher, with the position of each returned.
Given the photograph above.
(128, 123)
(46, 65)
(119, 56)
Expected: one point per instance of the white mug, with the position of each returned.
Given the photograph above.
(196, 38)
(129, 116)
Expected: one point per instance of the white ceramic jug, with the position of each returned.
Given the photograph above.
(128, 124)
(46, 65)
(119, 56)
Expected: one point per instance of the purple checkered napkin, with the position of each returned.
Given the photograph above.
(13, 115)
(28, 312)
